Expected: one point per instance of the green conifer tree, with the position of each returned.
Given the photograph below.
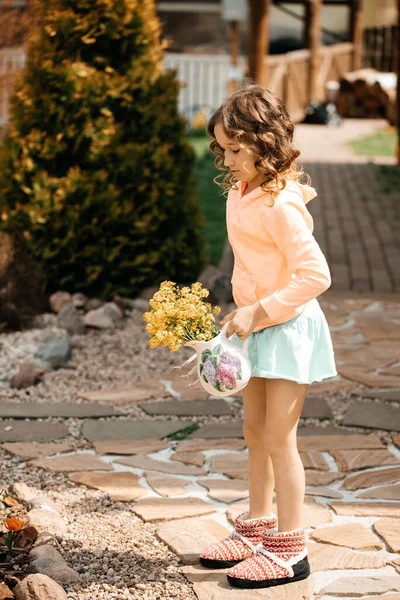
(96, 171)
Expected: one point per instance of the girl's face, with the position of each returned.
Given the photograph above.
(237, 159)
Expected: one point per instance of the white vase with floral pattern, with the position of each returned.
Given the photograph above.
(223, 368)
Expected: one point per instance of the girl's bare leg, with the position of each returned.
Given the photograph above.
(260, 471)
(285, 400)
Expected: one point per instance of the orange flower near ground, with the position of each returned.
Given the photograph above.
(14, 524)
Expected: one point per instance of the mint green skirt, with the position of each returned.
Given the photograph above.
(299, 350)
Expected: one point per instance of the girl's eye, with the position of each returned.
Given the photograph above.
(235, 151)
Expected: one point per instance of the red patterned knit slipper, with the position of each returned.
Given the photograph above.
(242, 543)
(281, 559)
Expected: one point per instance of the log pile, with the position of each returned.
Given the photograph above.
(367, 93)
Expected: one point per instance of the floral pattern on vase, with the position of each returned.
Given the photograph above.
(220, 369)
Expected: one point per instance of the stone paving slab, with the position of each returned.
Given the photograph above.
(351, 535)
(145, 446)
(323, 491)
(200, 444)
(371, 379)
(367, 479)
(326, 557)
(192, 458)
(343, 441)
(370, 414)
(31, 431)
(387, 492)
(72, 463)
(351, 460)
(218, 430)
(33, 410)
(212, 584)
(328, 430)
(128, 429)
(135, 392)
(389, 529)
(225, 490)
(391, 395)
(167, 509)
(141, 461)
(181, 391)
(362, 585)
(29, 450)
(317, 478)
(188, 408)
(166, 485)
(120, 486)
(191, 536)
(316, 408)
(366, 509)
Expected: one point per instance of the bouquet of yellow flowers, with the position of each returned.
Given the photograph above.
(180, 315)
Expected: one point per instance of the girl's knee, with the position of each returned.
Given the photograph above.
(254, 434)
(280, 447)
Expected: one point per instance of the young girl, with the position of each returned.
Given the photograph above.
(278, 273)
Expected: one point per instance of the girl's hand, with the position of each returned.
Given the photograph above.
(243, 320)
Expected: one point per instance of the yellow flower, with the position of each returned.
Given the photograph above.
(179, 315)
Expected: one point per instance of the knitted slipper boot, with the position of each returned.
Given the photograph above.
(242, 543)
(281, 559)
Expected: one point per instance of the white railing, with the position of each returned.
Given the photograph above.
(12, 60)
(204, 77)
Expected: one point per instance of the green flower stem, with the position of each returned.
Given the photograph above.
(9, 540)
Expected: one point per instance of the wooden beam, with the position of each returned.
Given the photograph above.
(326, 2)
(313, 43)
(397, 50)
(258, 40)
(356, 32)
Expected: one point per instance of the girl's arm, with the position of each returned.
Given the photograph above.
(286, 224)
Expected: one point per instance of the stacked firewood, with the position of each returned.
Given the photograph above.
(367, 93)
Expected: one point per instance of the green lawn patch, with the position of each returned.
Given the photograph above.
(381, 143)
(183, 433)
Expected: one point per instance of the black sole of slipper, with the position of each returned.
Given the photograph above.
(218, 564)
(301, 571)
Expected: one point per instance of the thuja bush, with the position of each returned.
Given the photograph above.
(96, 171)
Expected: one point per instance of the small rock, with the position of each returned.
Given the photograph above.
(56, 351)
(46, 520)
(39, 587)
(68, 318)
(98, 552)
(46, 551)
(23, 492)
(58, 300)
(93, 303)
(79, 300)
(113, 311)
(45, 538)
(141, 304)
(42, 502)
(27, 375)
(41, 364)
(55, 568)
(97, 318)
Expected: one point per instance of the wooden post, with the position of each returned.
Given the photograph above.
(233, 83)
(258, 40)
(356, 32)
(313, 42)
(397, 54)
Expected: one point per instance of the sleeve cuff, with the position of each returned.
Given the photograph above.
(273, 307)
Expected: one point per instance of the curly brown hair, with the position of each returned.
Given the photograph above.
(259, 122)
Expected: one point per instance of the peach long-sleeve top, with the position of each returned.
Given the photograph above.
(277, 259)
